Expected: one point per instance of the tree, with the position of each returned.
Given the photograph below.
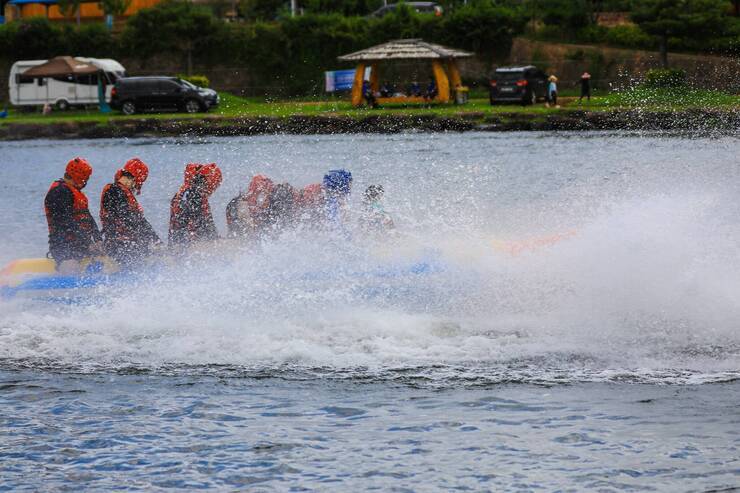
(173, 25)
(569, 15)
(114, 7)
(667, 19)
(69, 7)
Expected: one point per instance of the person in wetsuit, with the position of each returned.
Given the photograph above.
(247, 213)
(191, 220)
(73, 233)
(127, 235)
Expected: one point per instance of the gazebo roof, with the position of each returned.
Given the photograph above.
(61, 66)
(404, 49)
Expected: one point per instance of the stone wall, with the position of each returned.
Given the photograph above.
(614, 68)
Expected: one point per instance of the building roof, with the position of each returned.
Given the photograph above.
(405, 49)
(61, 66)
(25, 2)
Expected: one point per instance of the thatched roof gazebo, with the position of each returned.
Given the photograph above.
(441, 58)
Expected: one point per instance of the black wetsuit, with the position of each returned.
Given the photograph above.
(72, 229)
(190, 217)
(127, 234)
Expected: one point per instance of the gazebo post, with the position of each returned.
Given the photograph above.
(443, 84)
(357, 84)
(374, 78)
(455, 80)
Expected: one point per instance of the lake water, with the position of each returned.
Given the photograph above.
(575, 325)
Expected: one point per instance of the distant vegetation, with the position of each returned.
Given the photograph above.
(292, 52)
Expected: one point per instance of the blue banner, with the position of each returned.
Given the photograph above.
(339, 80)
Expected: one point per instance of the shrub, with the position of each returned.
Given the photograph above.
(665, 77)
(198, 80)
(34, 38)
(91, 40)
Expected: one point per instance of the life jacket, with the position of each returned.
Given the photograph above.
(80, 212)
(311, 196)
(187, 226)
(115, 225)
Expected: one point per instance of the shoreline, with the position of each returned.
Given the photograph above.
(565, 120)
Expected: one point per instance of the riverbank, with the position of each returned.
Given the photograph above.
(725, 119)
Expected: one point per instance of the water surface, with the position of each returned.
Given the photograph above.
(575, 327)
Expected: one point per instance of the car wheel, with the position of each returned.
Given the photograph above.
(62, 105)
(128, 108)
(192, 106)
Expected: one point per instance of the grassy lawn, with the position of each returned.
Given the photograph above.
(234, 106)
(666, 98)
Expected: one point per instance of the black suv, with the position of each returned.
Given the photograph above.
(525, 85)
(132, 94)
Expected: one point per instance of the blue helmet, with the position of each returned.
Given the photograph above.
(338, 181)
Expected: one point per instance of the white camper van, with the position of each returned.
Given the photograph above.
(62, 91)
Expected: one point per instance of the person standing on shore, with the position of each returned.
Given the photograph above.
(585, 87)
(552, 92)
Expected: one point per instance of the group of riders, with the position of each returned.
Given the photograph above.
(265, 208)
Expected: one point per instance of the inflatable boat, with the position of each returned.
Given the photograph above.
(38, 278)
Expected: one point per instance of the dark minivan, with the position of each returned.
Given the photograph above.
(525, 85)
(134, 94)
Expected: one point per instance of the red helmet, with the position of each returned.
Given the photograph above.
(78, 170)
(258, 193)
(138, 169)
(212, 175)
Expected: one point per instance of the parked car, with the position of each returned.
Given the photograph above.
(62, 90)
(135, 94)
(525, 85)
(419, 7)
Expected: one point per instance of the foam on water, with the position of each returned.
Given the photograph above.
(643, 287)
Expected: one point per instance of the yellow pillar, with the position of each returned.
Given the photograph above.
(374, 78)
(452, 68)
(443, 85)
(357, 85)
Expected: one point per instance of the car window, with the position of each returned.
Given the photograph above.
(187, 84)
(168, 86)
(509, 75)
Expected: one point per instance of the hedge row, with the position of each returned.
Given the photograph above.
(292, 51)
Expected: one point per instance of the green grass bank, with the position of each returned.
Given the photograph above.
(676, 108)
